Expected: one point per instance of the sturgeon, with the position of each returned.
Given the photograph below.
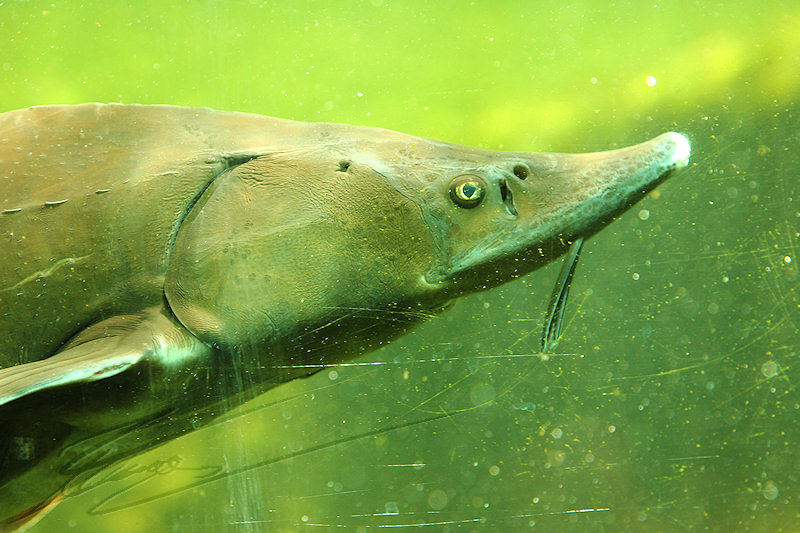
(156, 257)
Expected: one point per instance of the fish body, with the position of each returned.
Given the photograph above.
(158, 258)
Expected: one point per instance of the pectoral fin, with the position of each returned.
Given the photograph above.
(103, 351)
(83, 364)
(115, 374)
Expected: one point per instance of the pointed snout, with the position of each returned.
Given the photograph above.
(634, 166)
(586, 191)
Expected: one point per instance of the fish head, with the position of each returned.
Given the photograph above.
(334, 249)
(499, 215)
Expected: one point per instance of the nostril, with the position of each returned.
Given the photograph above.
(521, 172)
(508, 198)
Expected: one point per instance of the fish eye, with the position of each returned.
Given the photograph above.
(467, 191)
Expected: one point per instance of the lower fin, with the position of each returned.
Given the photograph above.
(551, 332)
(29, 517)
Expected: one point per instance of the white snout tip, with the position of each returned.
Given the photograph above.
(680, 151)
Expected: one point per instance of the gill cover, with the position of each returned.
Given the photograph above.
(281, 245)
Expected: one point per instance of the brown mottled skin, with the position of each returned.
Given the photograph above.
(156, 258)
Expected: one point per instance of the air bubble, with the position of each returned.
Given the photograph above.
(437, 499)
(770, 490)
(482, 394)
(770, 369)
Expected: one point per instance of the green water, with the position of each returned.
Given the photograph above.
(672, 405)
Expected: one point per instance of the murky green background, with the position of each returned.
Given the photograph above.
(673, 406)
